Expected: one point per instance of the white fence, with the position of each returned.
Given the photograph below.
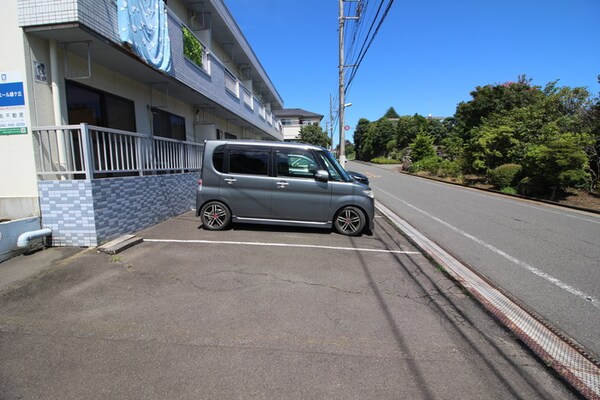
(85, 151)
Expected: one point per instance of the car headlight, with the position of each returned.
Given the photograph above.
(369, 193)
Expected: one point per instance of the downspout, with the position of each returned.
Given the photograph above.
(57, 105)
(25, 238)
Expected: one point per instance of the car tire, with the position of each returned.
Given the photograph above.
(349, 221)
(215, 216)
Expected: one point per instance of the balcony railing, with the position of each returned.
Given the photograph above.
(232, 84)
(85, 151)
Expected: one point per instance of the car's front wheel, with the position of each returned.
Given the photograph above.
(215, 216)
(349, 221)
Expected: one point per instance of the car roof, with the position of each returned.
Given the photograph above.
(263, 143)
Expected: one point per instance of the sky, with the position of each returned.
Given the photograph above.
(428, 56)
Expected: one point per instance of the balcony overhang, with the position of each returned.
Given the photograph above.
(119, 59)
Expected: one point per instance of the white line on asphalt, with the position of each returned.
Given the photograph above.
(304, 246)
(522, 202)
(595, 302)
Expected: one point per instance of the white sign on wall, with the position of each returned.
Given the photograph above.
(12, 104)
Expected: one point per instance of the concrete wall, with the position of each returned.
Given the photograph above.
(18, 189)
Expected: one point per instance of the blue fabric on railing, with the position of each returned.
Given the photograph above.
(143, 25)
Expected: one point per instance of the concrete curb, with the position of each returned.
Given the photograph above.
(120, 244)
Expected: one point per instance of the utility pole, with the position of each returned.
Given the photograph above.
(342, 155)
(331, 119)
(342, 104)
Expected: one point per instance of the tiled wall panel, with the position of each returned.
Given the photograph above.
(67, 209)
(125, 205)
(88, 213)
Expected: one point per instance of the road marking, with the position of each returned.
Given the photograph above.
(304, 246)
(589, 299)
(522, 202)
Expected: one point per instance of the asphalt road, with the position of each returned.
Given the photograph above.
(546, 256)
(253, 313)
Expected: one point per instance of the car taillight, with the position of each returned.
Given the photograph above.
(199, 184)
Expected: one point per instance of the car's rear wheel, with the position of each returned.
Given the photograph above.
(215, 216)
(349, 221)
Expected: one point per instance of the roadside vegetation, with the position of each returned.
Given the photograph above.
(515, 137)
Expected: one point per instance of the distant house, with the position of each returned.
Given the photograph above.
(292, 119)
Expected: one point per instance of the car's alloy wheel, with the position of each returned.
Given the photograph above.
(215, 216)
(350, 221)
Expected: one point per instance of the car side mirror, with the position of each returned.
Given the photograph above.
(322, 175)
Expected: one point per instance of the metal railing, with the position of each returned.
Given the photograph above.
(86, 151)
(248, 99)
(232, 84)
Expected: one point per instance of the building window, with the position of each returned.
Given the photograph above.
(168, 125)
(288, 121)
(98, 108)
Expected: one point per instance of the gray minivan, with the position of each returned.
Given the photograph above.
(281, 184)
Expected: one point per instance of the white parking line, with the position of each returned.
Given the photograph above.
(304, 246)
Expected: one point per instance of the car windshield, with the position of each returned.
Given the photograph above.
(336, 172)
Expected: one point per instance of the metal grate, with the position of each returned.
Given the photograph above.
(575, 367)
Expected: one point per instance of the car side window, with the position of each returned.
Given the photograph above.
(334, 174)
(296, 163)
(248, 161)
(218, 158)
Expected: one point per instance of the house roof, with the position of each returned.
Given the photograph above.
(296, 113)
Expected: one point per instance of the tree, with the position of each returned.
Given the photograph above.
(314, 134)
(557, 164)
(407, 129)
(359, 137)
(391, 113)
(494, 99)
(422, 147)
(384, 131)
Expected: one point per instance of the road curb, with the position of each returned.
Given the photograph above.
(563, 355)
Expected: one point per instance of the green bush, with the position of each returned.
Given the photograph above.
(428, 164)
(505, 175)
(509, 190)
(385, 160)
(437, 166)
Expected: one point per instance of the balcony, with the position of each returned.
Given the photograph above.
(89, 29)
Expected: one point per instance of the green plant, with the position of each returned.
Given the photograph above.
(429, 164)
(505, 175)
(509, 190)
(192, 48)
(384, 160)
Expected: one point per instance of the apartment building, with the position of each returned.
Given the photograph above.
(99, 98)
(293, 119)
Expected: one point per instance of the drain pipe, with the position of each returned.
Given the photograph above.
(25, 238)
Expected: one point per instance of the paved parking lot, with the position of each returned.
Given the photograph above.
(255, 312)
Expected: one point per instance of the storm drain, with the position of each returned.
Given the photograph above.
(573, 365)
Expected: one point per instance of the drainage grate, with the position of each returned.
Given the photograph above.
(577, 369)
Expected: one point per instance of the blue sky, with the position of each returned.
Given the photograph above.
(429, 54)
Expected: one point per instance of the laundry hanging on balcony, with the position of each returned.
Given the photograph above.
(143, 25)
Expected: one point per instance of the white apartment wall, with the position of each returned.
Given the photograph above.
(18, 184)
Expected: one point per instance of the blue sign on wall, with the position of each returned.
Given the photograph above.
(11, 94)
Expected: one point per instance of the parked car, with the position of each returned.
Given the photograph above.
(280, 183)
(362, 178)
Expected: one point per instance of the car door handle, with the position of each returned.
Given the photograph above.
(282, 184)
(230, 180)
